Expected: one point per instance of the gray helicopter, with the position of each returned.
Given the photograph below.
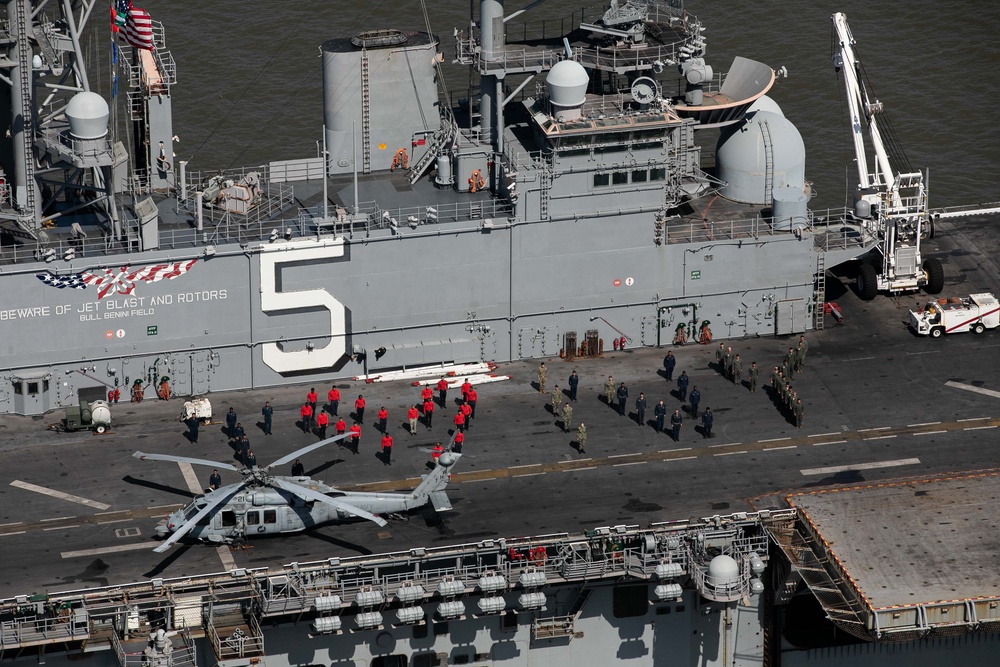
(268, 504)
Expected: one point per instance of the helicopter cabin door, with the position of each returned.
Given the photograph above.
(225, 523)
(261, 521)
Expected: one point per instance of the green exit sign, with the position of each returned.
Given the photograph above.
(695, 275)
(151, 330)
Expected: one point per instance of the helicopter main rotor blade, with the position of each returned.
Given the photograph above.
(142, 456)
(309, 494)
(222, 496)
(305, 450)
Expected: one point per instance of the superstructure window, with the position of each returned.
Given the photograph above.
(32, 388)
(19, 387)
(619, 178)
(600, 181)
(657, 174)
(640, 176)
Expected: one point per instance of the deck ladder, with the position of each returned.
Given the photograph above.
(366, 115)
(819, 292)
(29, 217)
(768, 162)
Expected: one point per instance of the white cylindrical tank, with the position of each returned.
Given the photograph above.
(764, 141)
(443, 176)
(100, 414)
(88, 115)
(789, 209)
(567, 85)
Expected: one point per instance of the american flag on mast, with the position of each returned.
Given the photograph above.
(139, 28)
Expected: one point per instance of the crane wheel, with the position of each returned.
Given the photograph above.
(867, 282)
(935, 276)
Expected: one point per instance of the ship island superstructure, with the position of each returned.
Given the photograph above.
(566, 205)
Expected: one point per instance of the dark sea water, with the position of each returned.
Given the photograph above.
(250, 90)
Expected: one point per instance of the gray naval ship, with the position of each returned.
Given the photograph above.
(569, 205)
(554, 214)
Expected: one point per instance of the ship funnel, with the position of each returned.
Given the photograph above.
(88, 115)
(567, 85)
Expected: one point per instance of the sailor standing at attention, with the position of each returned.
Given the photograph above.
(312, 398)
(412, 415)
(442, 387)
(333, 398)
(622, 395)
(640, 409)
(574, 384)
(268, 412)
(542, 375)
(675, 425)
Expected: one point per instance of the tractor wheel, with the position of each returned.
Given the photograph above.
(978, 328)
(100, 428)
(937, 332)
(867, 282)
(935, 276)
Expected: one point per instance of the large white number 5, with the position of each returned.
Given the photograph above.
(271, 257)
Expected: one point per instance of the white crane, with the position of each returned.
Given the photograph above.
(891, 203)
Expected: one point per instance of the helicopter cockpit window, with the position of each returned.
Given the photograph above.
(228, 518)
(270, 516)
(253, 518)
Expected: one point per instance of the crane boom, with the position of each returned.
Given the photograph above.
(891, 204)
(863, 113)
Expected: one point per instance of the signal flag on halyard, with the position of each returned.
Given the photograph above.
(119, 14)
(139, 29)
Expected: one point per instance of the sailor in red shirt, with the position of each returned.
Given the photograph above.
(306, 412)
(467, 412)
(456, 445)
(355, 436)
(341, 426)
(466, 388)
(436, 453)
(321, 421)
(387, 449)
(472, 399)
(359, 409)
(333, 398)
(311, 399)
(383, 417)
(459, 420)
(426, 393)
(442, 387)
(428, 413)
(413, 415)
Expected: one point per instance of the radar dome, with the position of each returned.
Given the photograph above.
(88, 116)
(567, 85)
(747, 150)
(723, 571)
(765, 103)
